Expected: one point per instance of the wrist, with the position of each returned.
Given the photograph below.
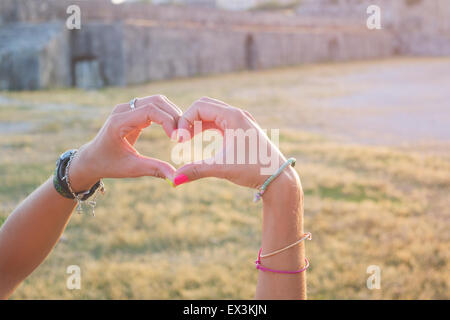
(283, 206)
(283, 221)
(285, 190)
(82, 175)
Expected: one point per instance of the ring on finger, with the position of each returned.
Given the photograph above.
(133, 104)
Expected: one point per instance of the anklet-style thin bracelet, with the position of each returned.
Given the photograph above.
(259, 266)
(306, 236)
(258, 195)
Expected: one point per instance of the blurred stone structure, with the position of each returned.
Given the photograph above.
(136, 42)
(31, 59)
(226, 4)
(420, 27)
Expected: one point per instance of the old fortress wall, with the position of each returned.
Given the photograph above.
(136, 42)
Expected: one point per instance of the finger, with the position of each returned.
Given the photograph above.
(198, 170)
(214, 115)
(123, 107)
(208, 99)
(186, 134)
(145, 166)
(142, 117)
(248, 114)
(133, 136)
(160, 101)
(212, 100)
(163, 103)
(175, 111)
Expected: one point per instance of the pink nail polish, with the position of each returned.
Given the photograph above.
(182, 178)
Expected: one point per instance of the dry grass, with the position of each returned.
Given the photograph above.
(364, 205)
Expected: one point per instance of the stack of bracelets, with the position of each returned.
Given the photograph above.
(306, 236)
(63, 187)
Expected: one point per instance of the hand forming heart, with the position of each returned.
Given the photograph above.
(242, 159)
(111, 153)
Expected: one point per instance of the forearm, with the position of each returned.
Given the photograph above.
(30, 233)
(283, 225)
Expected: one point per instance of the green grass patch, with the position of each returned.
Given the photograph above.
(354, 193)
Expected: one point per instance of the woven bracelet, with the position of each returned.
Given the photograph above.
(259, 194)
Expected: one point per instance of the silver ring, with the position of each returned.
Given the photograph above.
(133, 104)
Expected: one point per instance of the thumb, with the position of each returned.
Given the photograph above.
(145, 166)
(196, 170)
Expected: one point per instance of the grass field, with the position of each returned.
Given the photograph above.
(365, 205)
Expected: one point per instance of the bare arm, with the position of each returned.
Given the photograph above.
(282, 202)
(30, 233)
(283, 225)
(34, 227)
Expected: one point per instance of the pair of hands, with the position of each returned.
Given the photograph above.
(111, 153)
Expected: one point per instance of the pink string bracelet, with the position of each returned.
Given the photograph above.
(259, 266)
(262, 268)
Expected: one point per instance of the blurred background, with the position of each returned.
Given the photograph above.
(365, 112)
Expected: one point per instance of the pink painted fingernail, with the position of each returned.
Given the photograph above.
(182, 178)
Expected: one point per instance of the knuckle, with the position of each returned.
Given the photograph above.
(195, 104)
(113, 122)
(150, 115)
(188, 115)
(149, 107)
(248, 114)
(149, 110)
(160, 98)
(179, 112)
(116, 108)
(195, 172)
(120, 108)
(237, 113)
(155, 172)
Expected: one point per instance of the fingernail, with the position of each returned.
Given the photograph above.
(170, 182)
(182, 178)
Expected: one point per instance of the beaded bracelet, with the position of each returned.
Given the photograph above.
(258, 195)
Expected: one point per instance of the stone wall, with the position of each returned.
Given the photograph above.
(34, 56)
(137, 52)
(102, 42)
(175, 52)
(421, 27)
(132, 43)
